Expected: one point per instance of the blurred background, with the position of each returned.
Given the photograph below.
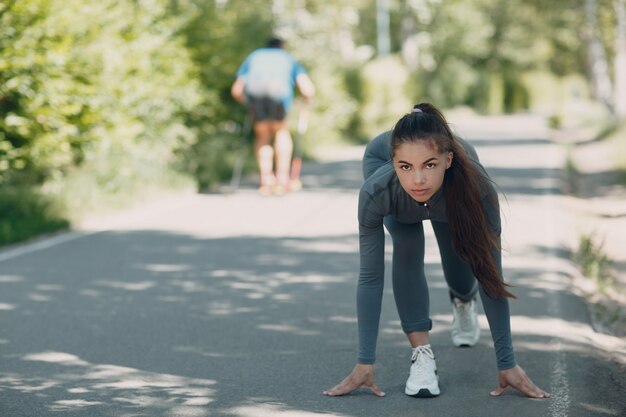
(106, 103)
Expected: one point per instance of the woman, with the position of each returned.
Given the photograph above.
(432, 175)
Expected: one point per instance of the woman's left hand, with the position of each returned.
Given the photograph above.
(517, 378)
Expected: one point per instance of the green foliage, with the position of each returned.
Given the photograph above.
(355, 88)
(25, 214)
(572, 173)
(85, 75)
(385, 81)
(618, 145)
(593, 262)
(476, 52)
(84, 82)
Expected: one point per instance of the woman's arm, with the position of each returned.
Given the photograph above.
(497, 309)
(370, 287)
(369, 292)
(510, 374)
(369, 297)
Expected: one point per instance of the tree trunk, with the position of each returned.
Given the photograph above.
(620, 59)
(383, 40)
(596, 59)
(409, 47)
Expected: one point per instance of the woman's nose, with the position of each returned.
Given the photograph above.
(419, 177)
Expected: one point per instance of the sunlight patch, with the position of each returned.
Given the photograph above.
(130, 286)
(287, 328)
(343, 319)
(66, 405)
(172, 299)
(10, 278)
(78, 390)
(323, 246)
(38, 297)
(209, 354)
(164, 267)
(549, 346)
(282, 297)
(26, 385)
(551, 327)
(56, 357)
(188, 411)
(599, 409)
(275, 410)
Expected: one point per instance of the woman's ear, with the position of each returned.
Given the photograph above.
(449, 160)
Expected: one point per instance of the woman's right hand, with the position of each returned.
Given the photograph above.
(361, 376)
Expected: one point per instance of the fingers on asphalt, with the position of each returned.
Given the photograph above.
(336, 392)
(497, 392)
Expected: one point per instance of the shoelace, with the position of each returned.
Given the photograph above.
(420, 353)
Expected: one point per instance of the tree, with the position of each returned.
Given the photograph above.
(79, 79)
(620, 59)
(597, 65)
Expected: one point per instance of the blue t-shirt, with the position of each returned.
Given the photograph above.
(270, 72)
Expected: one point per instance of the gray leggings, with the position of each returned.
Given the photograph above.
(410, 288)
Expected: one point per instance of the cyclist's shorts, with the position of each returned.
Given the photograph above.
(265, 108)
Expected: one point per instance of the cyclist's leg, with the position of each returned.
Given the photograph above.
(263, 135)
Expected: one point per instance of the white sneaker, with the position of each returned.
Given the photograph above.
(465, 330)
(423, 380)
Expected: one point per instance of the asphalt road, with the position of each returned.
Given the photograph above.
(244, 306)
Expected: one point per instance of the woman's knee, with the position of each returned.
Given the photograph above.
(464, 290)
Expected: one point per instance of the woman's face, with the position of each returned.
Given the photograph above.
(421, 168)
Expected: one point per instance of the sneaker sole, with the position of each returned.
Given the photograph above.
(423, 393)
(465, 343)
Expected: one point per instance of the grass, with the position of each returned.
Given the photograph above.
(593, 263)
(617, 141)
(608, 312)
(571, 173)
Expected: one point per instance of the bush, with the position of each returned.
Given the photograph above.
(24, 214)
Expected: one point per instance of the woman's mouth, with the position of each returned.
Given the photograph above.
(420, 191)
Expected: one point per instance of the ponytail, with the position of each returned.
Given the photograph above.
(472, 238)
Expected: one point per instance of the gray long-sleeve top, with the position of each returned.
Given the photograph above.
(382, 195)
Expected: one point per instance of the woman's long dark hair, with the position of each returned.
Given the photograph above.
(472, 238)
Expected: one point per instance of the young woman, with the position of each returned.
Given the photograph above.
(422, 171)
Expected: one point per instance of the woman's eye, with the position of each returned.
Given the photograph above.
(431, 166)
(405, 167)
